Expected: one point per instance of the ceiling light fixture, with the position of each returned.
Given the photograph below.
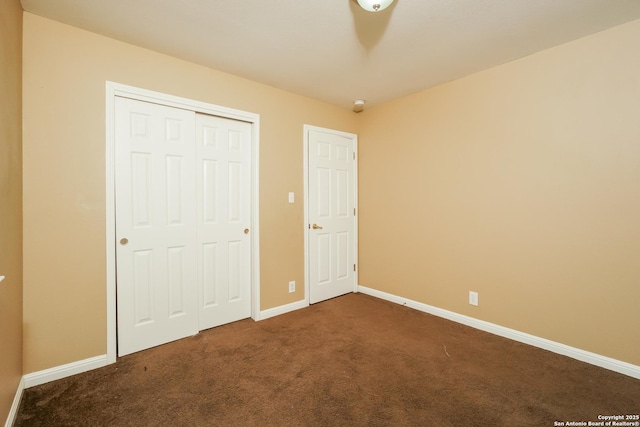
(358, 105)
(374, 5)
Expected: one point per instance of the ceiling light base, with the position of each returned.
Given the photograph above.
(374, 5)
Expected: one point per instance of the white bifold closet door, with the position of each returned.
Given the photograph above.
(182, 217)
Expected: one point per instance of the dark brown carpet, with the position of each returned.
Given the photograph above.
(351, 361)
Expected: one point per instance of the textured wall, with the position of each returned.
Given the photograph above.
(10, 202)
(521, 183)
(65, 70)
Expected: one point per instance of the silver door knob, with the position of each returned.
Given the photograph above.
(124, 241)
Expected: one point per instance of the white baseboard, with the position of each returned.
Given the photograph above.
(276, 311)
(58, 372)
(15, 405)
(555, 347)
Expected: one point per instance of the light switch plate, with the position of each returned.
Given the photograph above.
(291, 197)
(473, 298)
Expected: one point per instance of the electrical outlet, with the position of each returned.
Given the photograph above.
(473, 298)
(292, 287)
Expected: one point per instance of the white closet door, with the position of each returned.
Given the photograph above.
(223, 157)
(155, 224)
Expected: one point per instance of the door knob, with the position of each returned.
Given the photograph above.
(124, 241)
(246, 231)
(316, 227)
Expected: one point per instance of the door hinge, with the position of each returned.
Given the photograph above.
(354, 267)
(354, 155)
(354, 211)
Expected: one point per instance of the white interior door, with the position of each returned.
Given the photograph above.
(224, 214)
(331, 214)
(155, 224)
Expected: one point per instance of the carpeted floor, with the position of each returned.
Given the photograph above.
(351, 361)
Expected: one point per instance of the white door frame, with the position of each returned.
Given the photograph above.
(354, 137)
(112, 91)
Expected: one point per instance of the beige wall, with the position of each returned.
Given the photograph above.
(65, 70)
(522, 183)
(10, 202)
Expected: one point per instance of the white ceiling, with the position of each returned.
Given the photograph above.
(334, 51)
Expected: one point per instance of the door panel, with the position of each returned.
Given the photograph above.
(155, 214)
(331, 209)
(223, 156)
(142, 282)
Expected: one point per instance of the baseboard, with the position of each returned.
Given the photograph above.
(276, 311)
(59, 372)
(15, 405)
(555, 347)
